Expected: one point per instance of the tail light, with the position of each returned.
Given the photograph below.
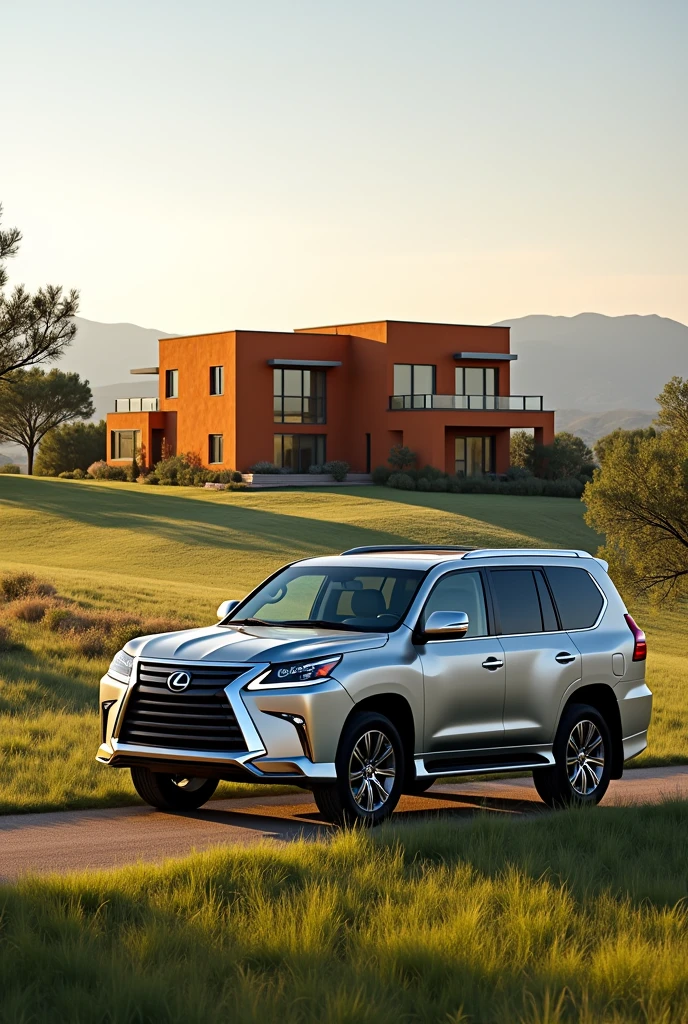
(640, 642)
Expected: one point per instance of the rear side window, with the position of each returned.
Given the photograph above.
(517, 602)
(578, 598)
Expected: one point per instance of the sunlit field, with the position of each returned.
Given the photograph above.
(169, 556)
(559, 919)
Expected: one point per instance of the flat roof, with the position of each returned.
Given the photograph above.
(426, 323)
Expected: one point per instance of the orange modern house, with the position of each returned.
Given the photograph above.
(347, 392)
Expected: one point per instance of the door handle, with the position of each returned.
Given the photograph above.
(564, 658)
(492, 663)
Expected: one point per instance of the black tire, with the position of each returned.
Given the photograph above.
(337, 801)
(416, 787)
(581, 727)
(172, 792)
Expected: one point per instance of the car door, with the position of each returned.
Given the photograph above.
(463, 678)
(541, 661)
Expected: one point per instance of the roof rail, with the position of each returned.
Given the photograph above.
(382, 548)
(521, 552)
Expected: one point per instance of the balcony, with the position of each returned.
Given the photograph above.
(136, 405)
(473, 403)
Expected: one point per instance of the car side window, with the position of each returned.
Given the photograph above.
(578, 599)
(516, 601)
(460, 592)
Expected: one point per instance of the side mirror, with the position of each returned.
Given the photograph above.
(445, 626)
(225, 608)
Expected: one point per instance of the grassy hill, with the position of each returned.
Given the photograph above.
(116, 549)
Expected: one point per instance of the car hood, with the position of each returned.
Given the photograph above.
(252, 644)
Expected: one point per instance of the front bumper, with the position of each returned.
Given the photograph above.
(289, 734)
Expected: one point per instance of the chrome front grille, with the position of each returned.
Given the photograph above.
(199, 718)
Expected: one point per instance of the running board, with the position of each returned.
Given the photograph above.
(440, 766)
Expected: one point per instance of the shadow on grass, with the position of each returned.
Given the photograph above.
(28, 683)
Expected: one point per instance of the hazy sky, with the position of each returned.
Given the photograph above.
(264, 164)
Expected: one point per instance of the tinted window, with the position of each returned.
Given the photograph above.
(516, 600)
(549, 617)
(578, 599)
(460, 592)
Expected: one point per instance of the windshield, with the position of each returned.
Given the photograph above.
(339, 597)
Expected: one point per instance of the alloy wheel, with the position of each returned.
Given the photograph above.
(372, 770)
(585, 758)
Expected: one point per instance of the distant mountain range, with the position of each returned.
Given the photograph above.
(598, 372)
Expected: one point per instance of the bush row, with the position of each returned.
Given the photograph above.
(516, 481)
(336, 468)
(10, 467)
(94, 634)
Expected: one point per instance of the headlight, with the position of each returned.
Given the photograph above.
(121, 666)
(296, 673)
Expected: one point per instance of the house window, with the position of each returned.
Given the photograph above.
(298, 452)
(124, 444)
(171, 383)
(215, 448)
(473, 456)
(413, 382)
(479, 384)
(299, 396)
(217, 380)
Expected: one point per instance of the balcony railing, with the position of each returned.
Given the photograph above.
(495, 403)
(136, 405)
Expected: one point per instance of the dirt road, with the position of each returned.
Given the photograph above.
(77, 840)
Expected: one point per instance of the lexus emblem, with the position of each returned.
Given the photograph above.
(178, 682)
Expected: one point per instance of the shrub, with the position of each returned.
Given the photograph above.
(16, 585)
(440, 484)
(381, 475)
(10, 467)
(401, 457)
(265, 467)
(337, 468)
(67, 475)
(183, 470)
(102, 471)
(316, 469)
(518, 473)
(223, 476)
(29, 610)
(151, 478)
(6, 642)
(423, 484)
(79, 474)
(431, 473)
(55, 619)
(402, 482)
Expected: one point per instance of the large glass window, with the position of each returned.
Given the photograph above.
(299, 396)
(343, 597)
(124, 444)
(516, 601)
(479, 384)
(215, 448)
(473, 456)
(171, 383)
(298, 452)
(578, 599)
(460, 592)
(412, 382)
(217, 380)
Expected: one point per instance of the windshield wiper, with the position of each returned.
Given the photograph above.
(251, 621)
(322, 623)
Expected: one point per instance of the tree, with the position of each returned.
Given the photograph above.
(71, 446)
(521, 450)
(400, 456)
(673, 406)
(639, 499)
(567, 456)
(33, 328)
(602, 446)
(35, 402)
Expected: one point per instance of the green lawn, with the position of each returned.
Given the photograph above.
(176, 553)
(564, 918)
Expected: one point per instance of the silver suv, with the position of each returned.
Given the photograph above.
(373, 673)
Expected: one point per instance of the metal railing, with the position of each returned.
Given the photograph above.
(136, 405)
(496, 403)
